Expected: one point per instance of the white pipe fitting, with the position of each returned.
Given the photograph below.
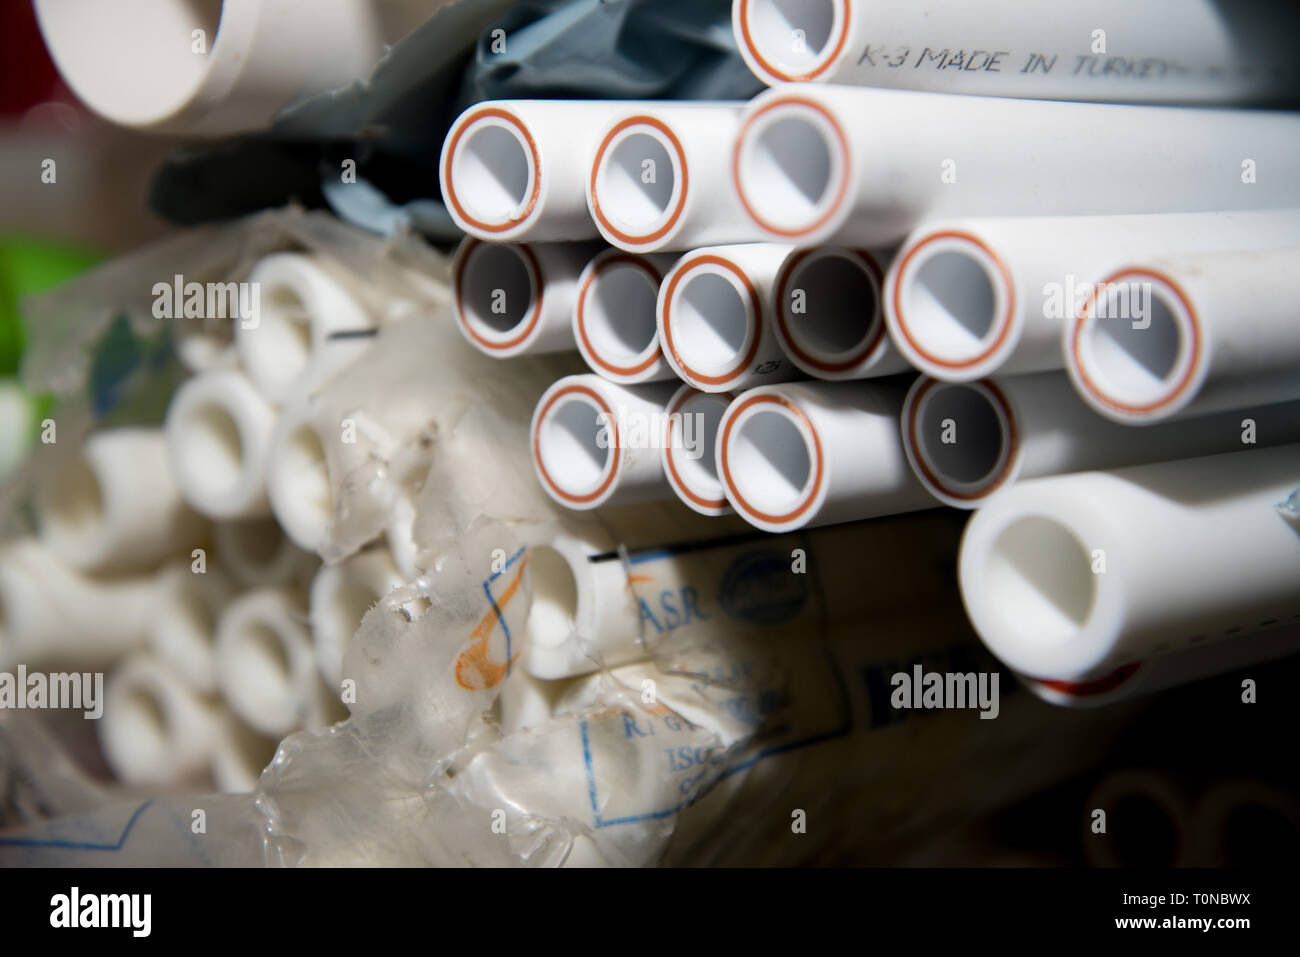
(340, 597)
(830, 317)
(967, 440)
(297, 476)
(805, 454)
(216, 67)
(690, 449)
(266, 668)
(306, 326)
(595, 443)
(1173, 51)
(966, 299)
(52, 614)
(1073, 576)
(258, 553)
(239, 757)
(517, 300)
(516, 170)
(656, 181)
(17, 425)
(155, 729)
(1188, 335)
(816, 164)
(218, 430)
(614, 317)
(183, 631)
(114, 505)
(715, 318)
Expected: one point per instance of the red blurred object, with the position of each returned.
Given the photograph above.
(27, 74)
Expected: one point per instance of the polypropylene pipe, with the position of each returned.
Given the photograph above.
(183, 629)
(340, 597)
(715, 318)
(306, 328)
(690, 448)
(1217, 331)
(614, 321)
(515, 300)
(864, 167)
(257, 553)
(806, 453)
(297, 477)
(212, 68)
(516, 170)
(600, 599)
(595, 443)
(114, 505)
(830, 318)
(1169, 51)
(1075, 575)
(1147, 821)
(266, 669)
(967, 440)
(966, 299)
(56, 615)
(155, 729)
(1167, 671)
(218, 429)
(656, 182)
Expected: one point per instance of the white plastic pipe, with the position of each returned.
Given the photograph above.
(1168, 51)
(656, 181)
(266, 669)
(690, 449)
(205, 344)
(1167, 671)
(715, 318)
(595, 443)
(218, 429)
(257, 553)
(155, 728)
(967, 440)
(307, 326)
(52, 614)
(966, 299)
(516, 300)
(600, 599)
(516, 170)
(239, 757)
(340, 597)
(614, 321)
(830, 318)
(113, 505)
(1216, 331)
(864, 167)
(297, 476)
(212, 68)
(1075, 575)
(183, 627)
(804, 454)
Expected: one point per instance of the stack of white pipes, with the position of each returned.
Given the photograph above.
(750, 284)
(183, 559)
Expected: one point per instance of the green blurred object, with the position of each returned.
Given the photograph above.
(28, 267)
